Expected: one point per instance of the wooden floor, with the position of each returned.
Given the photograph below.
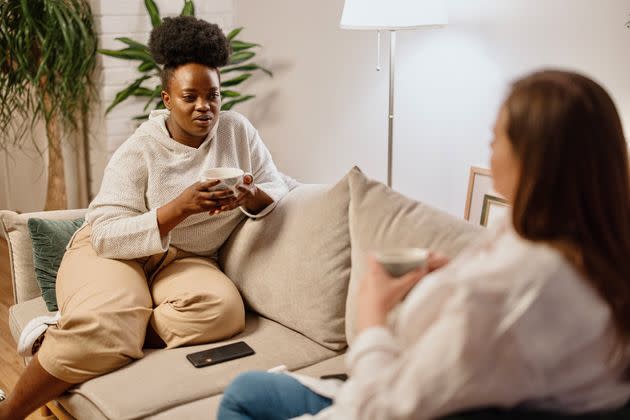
(10, 364)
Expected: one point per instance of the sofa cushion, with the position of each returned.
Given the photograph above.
(50, 238)
(327, 367)
(382, 218)
(165, 379)
(20, 314)
(15, 230)
(206, 408)
(293, 266)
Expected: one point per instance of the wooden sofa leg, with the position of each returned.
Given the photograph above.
(44, 411)
(55, 411)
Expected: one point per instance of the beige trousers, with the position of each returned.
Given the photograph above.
(106, 306)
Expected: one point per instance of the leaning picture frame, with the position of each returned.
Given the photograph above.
(494, 209)
(479, 184)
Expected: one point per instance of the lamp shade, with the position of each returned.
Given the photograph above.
(393, 14)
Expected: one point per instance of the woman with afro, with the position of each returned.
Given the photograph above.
(140, 270)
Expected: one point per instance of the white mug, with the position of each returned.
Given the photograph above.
(400, 261)
(230, 178)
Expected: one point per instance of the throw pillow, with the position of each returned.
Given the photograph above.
(50, 238)
(293, 265)
(382, 218)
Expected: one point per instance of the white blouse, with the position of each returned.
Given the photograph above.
(508, 322)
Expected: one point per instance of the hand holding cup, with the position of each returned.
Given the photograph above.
(236, 185)
(399, 261)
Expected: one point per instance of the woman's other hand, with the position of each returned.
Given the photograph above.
(247, 191)
(251, 197)
(379, 293)
(194, 199)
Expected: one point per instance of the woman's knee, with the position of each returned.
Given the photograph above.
(232, 314)
(200, 317)
(255, 395)
(246, 391)
(86, 345)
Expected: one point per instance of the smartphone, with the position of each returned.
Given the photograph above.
(220, 354)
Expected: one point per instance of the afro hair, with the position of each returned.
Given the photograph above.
(186, 39)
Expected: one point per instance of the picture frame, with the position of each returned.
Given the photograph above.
(493, 209)
(483, 205)
(479, 184)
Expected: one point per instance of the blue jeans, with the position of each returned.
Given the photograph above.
(268, 396)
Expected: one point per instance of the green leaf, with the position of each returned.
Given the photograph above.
(141, 117)
(237, 80)
(228, 105)
(189, 8)
(233, 33)
(266, 71)
(48, 56)
(146, 66)
(156, 94)
(133, 43)
(245, 67)
(128, 54)
(126, 92)
(154, 12)
(142, 91)
(241, 56)
(240, 45)
(229, 93)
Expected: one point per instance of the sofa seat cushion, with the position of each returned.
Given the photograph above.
(165, 379)
(206, 408)
(327, 367)
(210, 406)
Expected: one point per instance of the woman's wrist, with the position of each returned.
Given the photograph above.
(169, 216)
(372, 316)
(259, 201)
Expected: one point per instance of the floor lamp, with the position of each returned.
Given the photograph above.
(392, 15)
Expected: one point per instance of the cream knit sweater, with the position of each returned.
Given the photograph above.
(150, 169)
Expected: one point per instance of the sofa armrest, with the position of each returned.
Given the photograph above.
(15, 229)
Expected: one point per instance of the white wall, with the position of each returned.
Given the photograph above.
(23, 173)
(325, 109)
(24, 170)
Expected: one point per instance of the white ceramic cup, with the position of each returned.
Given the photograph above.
(400, 261)
(230, 178)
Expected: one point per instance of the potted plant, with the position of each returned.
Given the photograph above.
(47, 55)
(147, 84)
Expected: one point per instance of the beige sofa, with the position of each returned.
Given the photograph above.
(297, 270)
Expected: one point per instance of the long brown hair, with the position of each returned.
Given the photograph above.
(574, 188)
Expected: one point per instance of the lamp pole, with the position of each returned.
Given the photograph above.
(392, 15)
(390, 116)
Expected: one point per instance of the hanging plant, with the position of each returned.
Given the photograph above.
(240, 66)
(47, 55)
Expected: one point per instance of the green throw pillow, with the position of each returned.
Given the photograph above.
(50, 238)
